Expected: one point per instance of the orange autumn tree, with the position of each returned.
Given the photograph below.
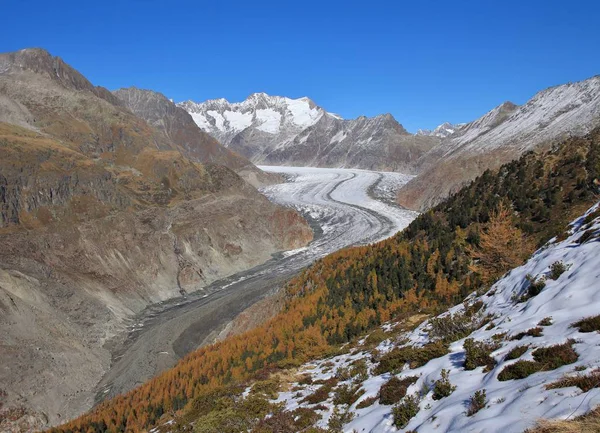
(502, 245)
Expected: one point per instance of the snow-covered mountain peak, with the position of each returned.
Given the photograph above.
(442, 131)
(280, 130)
(261, 111)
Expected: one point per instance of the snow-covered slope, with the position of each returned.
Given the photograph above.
(554, 113)
(502, 135)
(511, 405)
(278, 130)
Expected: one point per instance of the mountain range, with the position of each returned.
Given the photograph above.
(278, 130)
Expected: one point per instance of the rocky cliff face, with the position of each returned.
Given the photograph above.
(277, 130)
(101, 214)
(502, 135)
(180, 128)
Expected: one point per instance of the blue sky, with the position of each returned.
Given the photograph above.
(424, 61)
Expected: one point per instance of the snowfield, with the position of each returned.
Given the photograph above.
(512, 405)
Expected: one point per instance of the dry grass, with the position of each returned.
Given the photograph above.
(585, 382)
(589, 423)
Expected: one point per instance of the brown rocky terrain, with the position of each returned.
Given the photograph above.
(101, 214)
(179, 127)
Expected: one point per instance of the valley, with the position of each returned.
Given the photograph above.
(345, 207)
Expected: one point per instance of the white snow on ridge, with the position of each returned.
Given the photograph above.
(238, 121)
(266, 113)
(513, 405)
(302, 114)
(569, 109)
(219, 119)
(269, 120)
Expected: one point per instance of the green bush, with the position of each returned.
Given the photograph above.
(518, 370)
(545, 359)
(404, 411)
(345, 394)
(359, 370)
(305, 379)
(589, 324)
(339, 418)
(557, 269)
(536, 285)
(268, 388)
(235, 416)
(516, 352)
(477, 354)
(321, 393)
(394, 389)
(533, 332)
(442, 387)
(452, 327)
(395, 360)
(367, 402)
(477, 402)
(556, 356)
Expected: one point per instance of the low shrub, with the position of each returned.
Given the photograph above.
(375, 337)
(557, 269)
(586, 236)
(589, 324)
(556, 356)
(516, 352)
(536, 285)
(499, 336)
(546, 321)
(477, 402)
(588, 423)
(268, 388)
(443, 387)
(452, 327)
(533, 332)
(404, 411)
(518, 370)
(235, 416)
(359, 370)
(339, 418)
(345, 394)
(321, 393)
(343, 374)
(394, 389)
(305, 379)
(288, 422)
(369, 401)
(477, 354)
(545, 359)
(396, 359)
(584, 382)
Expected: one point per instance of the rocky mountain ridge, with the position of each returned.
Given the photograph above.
(278, 130)
(501, 135)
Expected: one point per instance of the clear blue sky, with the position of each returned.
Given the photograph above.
(423, 61)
